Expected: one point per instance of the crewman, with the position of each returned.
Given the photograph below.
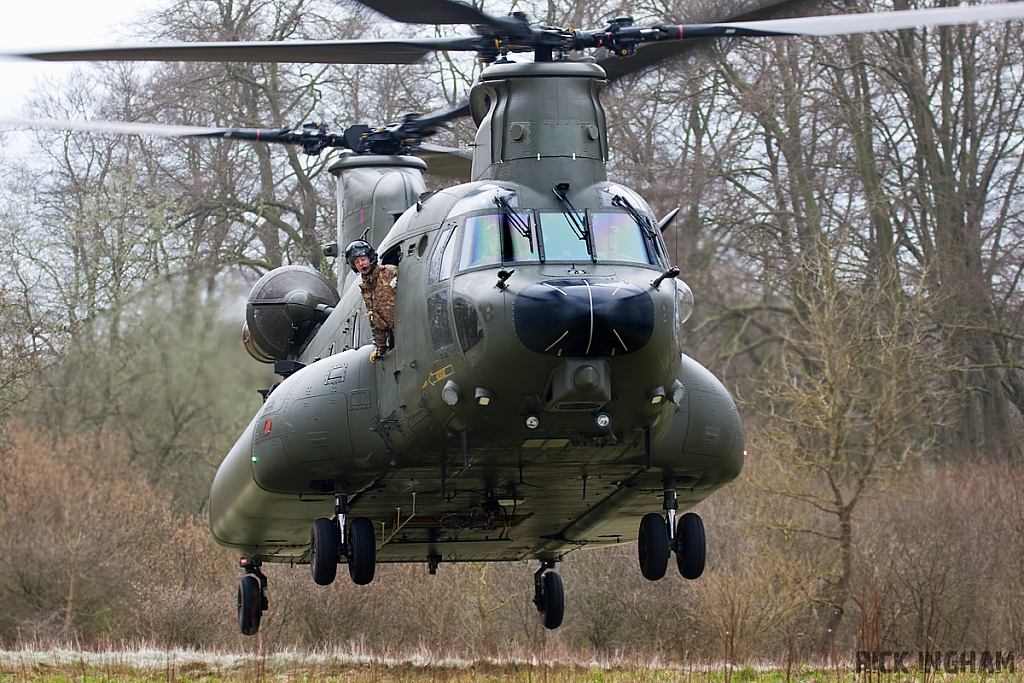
(378, 287)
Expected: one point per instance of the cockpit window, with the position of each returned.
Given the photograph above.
(482, 198)
(617, 237)
(562, 240)
(448, 258)
(436, 257)
(492, 239)
(613, 190)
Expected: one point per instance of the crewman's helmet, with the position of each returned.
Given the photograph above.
(360, 248)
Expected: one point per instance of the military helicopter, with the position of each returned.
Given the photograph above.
(537, 399)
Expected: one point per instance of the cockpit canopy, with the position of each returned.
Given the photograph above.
(496, 230)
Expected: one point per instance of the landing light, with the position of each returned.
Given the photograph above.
(451, 393)
(483, 396)
(677, 391)
(603, 420)
(532, 422)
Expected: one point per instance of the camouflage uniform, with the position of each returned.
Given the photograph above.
(379, 296)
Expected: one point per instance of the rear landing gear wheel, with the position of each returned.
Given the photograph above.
(323, 551)
(250, 605)
(548, 595)
(653, 546)
(554, 601)
(362, 551)
(691, 546)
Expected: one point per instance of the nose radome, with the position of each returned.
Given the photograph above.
(591, 317)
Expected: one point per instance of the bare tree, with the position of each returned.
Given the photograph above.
(850, 404)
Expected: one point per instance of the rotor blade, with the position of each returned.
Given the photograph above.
(845, 24)
(437, 12)
(278, 135)
(651, 54)
(306, 51)
(446, 162)
(436, 118)
(116, 128)
(645, 56)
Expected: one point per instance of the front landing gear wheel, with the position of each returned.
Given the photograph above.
(323, 551)
(691, 546)
(250, 605)
(548, 595)
(362, 551)
(653, 546)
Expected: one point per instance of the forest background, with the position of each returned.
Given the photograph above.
(851, 225)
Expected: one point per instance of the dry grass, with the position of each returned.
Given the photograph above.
(144, 664)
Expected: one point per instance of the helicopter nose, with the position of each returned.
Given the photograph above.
(584, 318)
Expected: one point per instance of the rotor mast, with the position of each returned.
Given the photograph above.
(540, 122)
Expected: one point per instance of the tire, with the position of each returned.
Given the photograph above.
(653, 546)
(362, 560)
(554, 601)
(250, 602)
(691, 546)
(323, 551)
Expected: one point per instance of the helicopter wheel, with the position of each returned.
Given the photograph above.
(549, 597)
(323, 551)
(362, 551)
(250, 605)
(691, 546)
(653, 546)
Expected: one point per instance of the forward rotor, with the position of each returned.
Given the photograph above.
(400, 138)
(498, 36)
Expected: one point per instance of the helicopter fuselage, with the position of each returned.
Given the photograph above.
(537, 398)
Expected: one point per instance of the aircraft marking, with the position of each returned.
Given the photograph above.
(557, 340)
(438, 375)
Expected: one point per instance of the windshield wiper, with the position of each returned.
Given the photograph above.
(645, 225)
(579, 226)
(515, 220)
(640, 219)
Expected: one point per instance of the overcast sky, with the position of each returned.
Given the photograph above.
(26, 25)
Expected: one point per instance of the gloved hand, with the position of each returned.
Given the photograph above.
(375, 354)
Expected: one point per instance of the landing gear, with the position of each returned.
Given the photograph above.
(653, 546)
(323, 551)
(252, 597)
(661, 535)
(548, 595)
(328, 543)
(690, 546)
(361, 551)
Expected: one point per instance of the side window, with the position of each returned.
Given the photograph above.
(435, 258)
(437, 320)
(467, 324)
(393, 256)
(448, 258)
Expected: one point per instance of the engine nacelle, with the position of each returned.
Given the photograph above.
(285, 308)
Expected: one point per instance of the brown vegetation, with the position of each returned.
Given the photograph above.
(91, 553)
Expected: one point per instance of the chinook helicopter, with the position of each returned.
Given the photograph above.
(537, 398)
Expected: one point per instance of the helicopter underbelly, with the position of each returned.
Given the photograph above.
(518, 499)
(558, 507)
